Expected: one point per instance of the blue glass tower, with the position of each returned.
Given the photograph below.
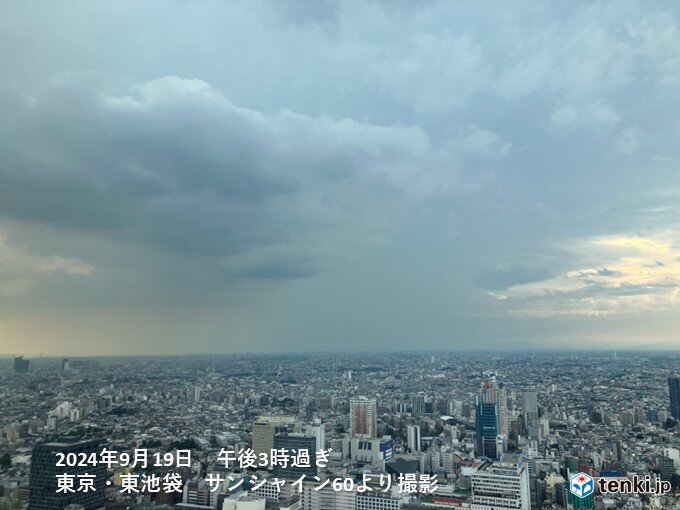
(487, 428)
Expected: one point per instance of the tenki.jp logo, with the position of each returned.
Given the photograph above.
(582, 485)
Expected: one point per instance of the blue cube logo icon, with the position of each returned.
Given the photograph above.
(582, 485)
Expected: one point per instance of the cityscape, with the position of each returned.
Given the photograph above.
(485, 431)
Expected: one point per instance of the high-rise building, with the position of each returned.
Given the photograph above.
(413, 438)
(194, 394)
(673, 454)
(43, 493)
(418, 404)
(674, 390)
(21, 365)
(487, 428)
(501, 485)
(295, 443)
(666, 468)
(53, 422)
(494, 393)
(318, 430)
(363, 416)
(263, 437)
(530, 405)
(264, 431)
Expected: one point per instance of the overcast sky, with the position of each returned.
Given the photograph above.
(184, 177)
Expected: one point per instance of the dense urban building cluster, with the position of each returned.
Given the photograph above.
(412, 430)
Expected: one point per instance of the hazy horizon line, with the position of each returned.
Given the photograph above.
(541, 350)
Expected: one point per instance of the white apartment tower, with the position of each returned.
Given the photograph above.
(318, 430)
(413, 438)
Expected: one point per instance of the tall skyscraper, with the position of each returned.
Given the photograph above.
(494, 393)
(293, 443)
(21, 365)
(43, 493)
(674, 390)
(418, 404)
(363, 416)
(487, 428)
(530, 405)
(413, 438)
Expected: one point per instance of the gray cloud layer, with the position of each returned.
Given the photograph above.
(347, 174)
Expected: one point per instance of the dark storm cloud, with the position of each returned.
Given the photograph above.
(177, 165)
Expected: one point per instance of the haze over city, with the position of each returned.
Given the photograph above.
(288, 176)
